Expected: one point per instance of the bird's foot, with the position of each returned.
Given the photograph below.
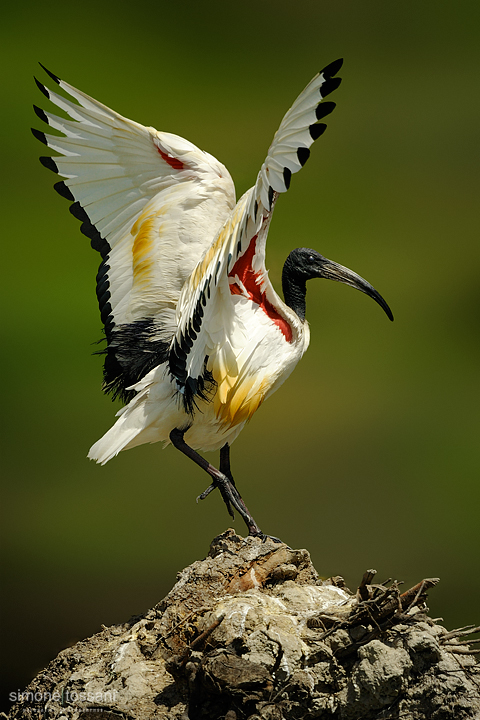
(206, 492)
(263, 537)
(223, 484)
(253, 529)
(233, 500)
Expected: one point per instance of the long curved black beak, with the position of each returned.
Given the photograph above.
(333, 271)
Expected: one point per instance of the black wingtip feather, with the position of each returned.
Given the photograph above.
(42, 88)
(49, 163)
(303, 154)
(316, 130)
(324, 108)
(77, 211)
(329, 86)
(40, 114)
(54, 77)
(39, 135)
(287, 176)
(332, 69)
(97, 242)
(64, 191)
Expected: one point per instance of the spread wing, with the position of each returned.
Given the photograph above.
(211, 341)
(151, 203)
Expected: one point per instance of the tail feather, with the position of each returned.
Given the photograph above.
(128, 431)
(139, 421)
(115, 440)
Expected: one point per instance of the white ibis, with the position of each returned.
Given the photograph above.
(196, 336)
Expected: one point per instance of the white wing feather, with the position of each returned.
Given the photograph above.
(248, 222)
(150, 201)
(176, 249)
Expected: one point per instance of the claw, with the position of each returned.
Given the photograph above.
(206, 492)
(226, 500)
(274, 539)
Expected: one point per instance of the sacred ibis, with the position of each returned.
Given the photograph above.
(196, 336)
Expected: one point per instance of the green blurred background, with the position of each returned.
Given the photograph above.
(369, 455)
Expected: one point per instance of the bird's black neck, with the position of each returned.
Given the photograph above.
(294, 289)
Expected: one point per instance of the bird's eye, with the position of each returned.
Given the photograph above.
(311, 258)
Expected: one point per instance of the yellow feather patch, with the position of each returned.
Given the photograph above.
(224, 236)
(142, 246)
(145, 230)
(224, 375)
(201, 268)
(237, 403)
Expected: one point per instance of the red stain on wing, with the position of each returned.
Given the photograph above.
(174, 162)
(250, 281)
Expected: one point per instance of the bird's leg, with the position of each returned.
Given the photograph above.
(222, 480)
(225, 462)
(225, 469)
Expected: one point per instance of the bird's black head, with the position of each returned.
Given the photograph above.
(304, 264)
